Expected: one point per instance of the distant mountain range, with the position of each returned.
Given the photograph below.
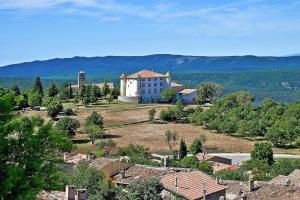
(63, 68)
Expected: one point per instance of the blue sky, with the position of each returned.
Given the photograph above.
(43, 29)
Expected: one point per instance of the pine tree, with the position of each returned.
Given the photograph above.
(182, 149)
(52, 91)
(15, 89)
(37, 87)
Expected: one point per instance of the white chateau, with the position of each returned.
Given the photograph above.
(146, 86)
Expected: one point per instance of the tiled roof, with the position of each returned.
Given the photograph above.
(293, 178)
(187, 91)
(74, 158)
(101, 162)
(221, 166)
(145, 74)
(52, 195)
(139, 172)
(190, 184)
(175, 84)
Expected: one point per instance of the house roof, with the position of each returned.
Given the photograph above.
(101, 162)
(51, 195)
(190, 184)
(221, 166)
(74, 158)
(145, 74)
(140, 172)
(293, 178)
(187, 91)
(175, 84)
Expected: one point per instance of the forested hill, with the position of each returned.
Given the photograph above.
(114, 65)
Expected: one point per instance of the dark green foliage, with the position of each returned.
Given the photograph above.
(196, 146)
(151, 114)
(67, 125)
(174, 113)
(15, 90)
(37, 87)
(37, 121)
(94, 119)
(148, 189)
(105, 89)
(169, 95)
(182, 150)
(284, 166)
(137, 154)
(54, 107)
(21, 101)
(23, 169)
(207, 92)
(263, 151)
(230, 175)
(193, 162)
(206, 167)
(52, 90)
(65, 93)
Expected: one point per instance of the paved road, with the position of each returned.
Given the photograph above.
(238, 157)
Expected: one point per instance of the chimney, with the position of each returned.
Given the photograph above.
(204, 191)
(122, 173)
(70, 192)
(65, 156)
(287, 182)
(222, 198)
(81, 194)
(176, 182)
(217, 180)
(251, 185)
(166, 161)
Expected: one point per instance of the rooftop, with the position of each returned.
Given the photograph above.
(187, 91)
(145, 74)
(101, 162)
(191, 184)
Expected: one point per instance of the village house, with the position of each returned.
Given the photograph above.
(147, 86)
(193, 185)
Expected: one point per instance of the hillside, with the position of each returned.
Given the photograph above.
(114, 65)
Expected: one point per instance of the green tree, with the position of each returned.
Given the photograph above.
(105, 89)
(35, 99)
(94, 119)
(87, 177)
(182, 150)
(54, 107)
(151, 114)
(37, 121)
(208, 91)
(171, 139)
(284, 166)
(93, 132)
(15, 90)
(263, 151)
(67, 125)
(37, 87)
(147, 189)
(205, 166)
(107, 146)
(260, 170)
(52, 90)
(189, 162)
(2, 91)
(169, 95)
(110, 99)
(27, 161)
(229, 175)
(21, 101)
(196, 146)
(64, 92)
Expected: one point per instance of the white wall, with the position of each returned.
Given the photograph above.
(188, 98)
(132, 86)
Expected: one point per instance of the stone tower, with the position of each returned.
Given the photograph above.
(168, 77)
(123, 85)
(81, 78)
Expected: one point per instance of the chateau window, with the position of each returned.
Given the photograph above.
(155, 79)
(143, 84)
(155, 90)
(160, 78)
(149, 84)
(149, 91)
(149, 79)
(155, 84)
(143, 91)
(143, 79)
(160, 83)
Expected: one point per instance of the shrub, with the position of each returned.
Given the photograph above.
(151, 114)
(54, 107)
(196, 146)
(37, 121)
(69, 112)
(94, 119)
(206, 167)
(93, 132)
(263, 151)
(230, 175)
(67, 125)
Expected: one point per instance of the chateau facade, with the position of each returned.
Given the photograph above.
(143, 86)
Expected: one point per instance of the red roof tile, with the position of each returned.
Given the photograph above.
(190, 184)
(145, 74)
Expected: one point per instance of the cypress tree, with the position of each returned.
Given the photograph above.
(52, 91)
(182, 149)
(37, 87)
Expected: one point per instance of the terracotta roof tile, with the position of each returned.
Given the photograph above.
(190, 184)
(145, 74)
